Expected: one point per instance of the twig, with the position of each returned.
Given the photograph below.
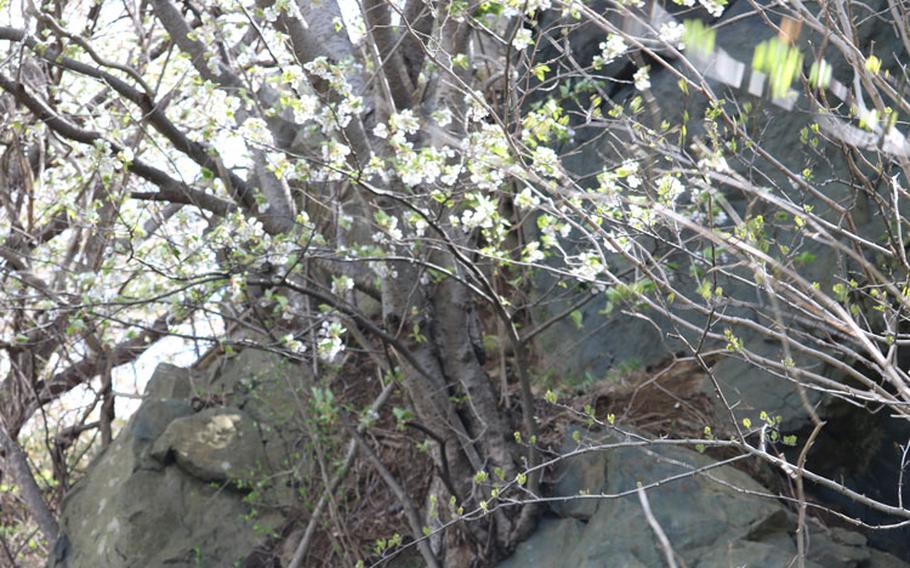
(406, 502)
(662, 539)
(301, 551)
(900, 479)
(802, 537)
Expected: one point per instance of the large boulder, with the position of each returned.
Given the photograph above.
(200, 476)
(713, 515)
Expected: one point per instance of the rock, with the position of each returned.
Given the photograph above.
(578, 475)
(214, 445)
(274, 394)
(170, 382)
(174, 488)
(879, 559)
(150, 421)
(552, 543)
(715, 518)
(836, 546)
(618, 340)
(746, 553)
(610, 342)
(122, 516)
(697, 512)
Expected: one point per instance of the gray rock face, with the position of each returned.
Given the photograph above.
(171, 491)
(551, 543)
(213, 445)
(132, 510)
(715, 518)
(174, 488)
(607, 342)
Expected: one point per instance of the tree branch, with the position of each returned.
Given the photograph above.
(18, 467)
(153, 112)
(171, 189)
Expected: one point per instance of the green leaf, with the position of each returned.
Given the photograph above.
(540, 71)
(577, 318)
(873, 64)
(402, 416)
(780, 61)
(699, 37)
(494, 8)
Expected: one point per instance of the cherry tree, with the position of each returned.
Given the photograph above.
(396, 178)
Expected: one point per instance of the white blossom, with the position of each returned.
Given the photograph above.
(255, 130)
(629, 171)
(628, 167)
(530, 7)
(450, 174)
(486, 154)
(425, 166)
(330, 344)
(236, 285)
(532, 252)
(546, 161)
(335, 152)
(673, 33)
(383, 271)
(278, 164)
(350, 106)
(483, 214)
(642, 78)
(476, 109)
(375, 168)
(522, 39)
(306, 108)
(392, 232)
(641, 215)
(613, 47)
(617, 243)
(714, 7)
(342, 284)
(405, 121)
(609, 188)
(125, 156)
(419, 223)
(294, 345)
(442, 117)
(588, 268)
(526, 199)
(213, 63)
(669, 188)
(550, 228)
